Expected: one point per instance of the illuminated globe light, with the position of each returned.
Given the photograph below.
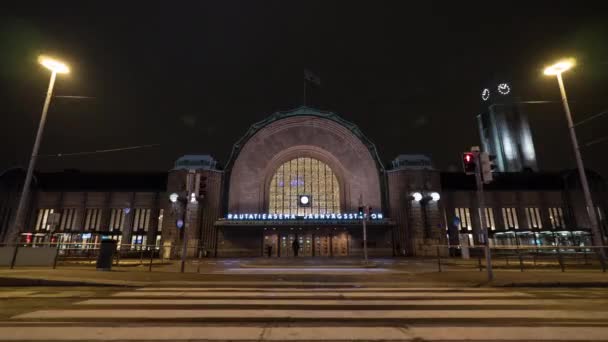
(193, 198)
(173, 197)
(304, 200)
(417, 196)
(560, 67)
(53, 65)
(504, 89)
(485, 94)
(435, 196)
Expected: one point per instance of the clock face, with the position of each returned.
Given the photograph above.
(504, 89)
(485, 94)
(304, 200)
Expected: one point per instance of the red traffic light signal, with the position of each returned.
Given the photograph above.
(468, 163)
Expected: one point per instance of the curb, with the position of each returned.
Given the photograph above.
(10, 282)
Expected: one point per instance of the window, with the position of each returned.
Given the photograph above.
(159, 227)
(141, 221)
(158, 241)
(464, 215)
(489, 218)
(68, 218)
(138, 242)
(92, 219)
(509, 216)
(304, 176)
(556, 217)
(117, 219)
(533, 217)
(42, 221)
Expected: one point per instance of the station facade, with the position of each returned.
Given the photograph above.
(301, 175)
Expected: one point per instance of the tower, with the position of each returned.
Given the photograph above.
(504, 130)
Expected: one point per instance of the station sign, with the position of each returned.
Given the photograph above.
(293, 217)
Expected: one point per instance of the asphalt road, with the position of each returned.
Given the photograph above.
(279, 311)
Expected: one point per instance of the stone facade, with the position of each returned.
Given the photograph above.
(422, 209)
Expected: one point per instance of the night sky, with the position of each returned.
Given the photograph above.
(192, 76)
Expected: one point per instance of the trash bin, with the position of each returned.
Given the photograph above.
(106, 255)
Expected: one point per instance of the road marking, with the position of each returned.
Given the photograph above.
(312, 314)
(322, 289)
(15, 294)
(321, 302)
(277, 294)
(239, 333)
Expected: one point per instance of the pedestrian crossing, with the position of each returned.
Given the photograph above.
(292, 313)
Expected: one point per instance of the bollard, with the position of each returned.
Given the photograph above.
(198, 268)
(507, 258)
(151, 260)
(521, 261)
(141, 256)
(479, 263)
(56, 257)
(438, 259)
(14, 259)
(560, 261)
(585, 256)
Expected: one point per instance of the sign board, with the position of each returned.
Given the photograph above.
(307, 217)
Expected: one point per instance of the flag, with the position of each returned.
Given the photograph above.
(312, 78)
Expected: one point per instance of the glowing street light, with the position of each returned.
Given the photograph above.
(53, 65)
(559, 67)
(556, 70)
(56, 67)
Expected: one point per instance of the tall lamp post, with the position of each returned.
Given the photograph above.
(56, 67)
(556, 70)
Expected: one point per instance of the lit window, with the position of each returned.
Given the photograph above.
(509, 216)
(489, 218)
(92, 220)
(68, 218)
(556, 217)
(464, 215)
(159, 228)
(117, 219)
(42, 220)
(304, 176)
(138, 242)
(141, 221)
(533, 217)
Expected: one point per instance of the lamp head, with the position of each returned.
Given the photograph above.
(173, 197)
(559, 67)
(53, 64)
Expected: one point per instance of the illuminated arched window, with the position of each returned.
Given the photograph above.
(304, 176)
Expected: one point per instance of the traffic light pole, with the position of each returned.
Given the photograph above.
(482, 215)
(364, 237)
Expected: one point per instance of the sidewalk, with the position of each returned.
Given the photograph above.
(219, 275)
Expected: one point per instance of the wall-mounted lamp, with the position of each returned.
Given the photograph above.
(173, 197)
(435, 196)
(416, 196)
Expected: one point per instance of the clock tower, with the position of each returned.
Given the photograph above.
(504, 129)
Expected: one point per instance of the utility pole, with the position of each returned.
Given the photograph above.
(365, 236)
(482, 212)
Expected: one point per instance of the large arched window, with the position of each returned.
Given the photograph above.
(299, 177)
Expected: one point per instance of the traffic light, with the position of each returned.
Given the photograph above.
(361, 211)
(488, 166)
(468, 163)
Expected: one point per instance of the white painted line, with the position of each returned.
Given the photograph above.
(321, 302)
(14, 294)
(324, 289)
(144, 294)
(239, 333)
(312, 314)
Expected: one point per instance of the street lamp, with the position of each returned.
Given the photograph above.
(556, 70)
(56, 67)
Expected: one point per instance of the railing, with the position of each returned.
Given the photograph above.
(71, 254)
(522, 257)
